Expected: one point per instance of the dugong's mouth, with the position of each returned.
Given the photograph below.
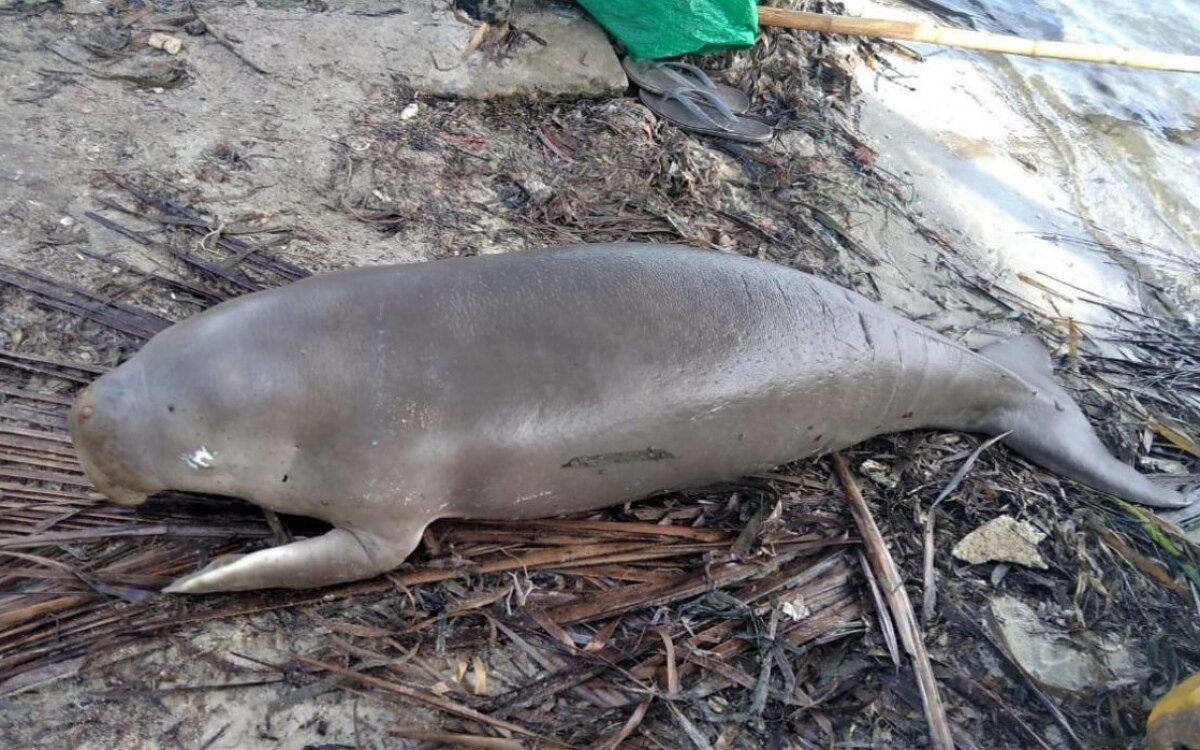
(111, 490)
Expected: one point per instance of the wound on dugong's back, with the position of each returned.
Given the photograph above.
(622, 457)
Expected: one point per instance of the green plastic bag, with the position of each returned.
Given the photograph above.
(658, 29)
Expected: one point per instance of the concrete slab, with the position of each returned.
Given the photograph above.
(577, 60)
(426, 44)
(1002, 539)
(1062, 661)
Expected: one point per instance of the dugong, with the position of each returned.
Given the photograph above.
(538, 383)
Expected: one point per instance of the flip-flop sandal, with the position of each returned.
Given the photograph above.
(702, 111)
(659, 77)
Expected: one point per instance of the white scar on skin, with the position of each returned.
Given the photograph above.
(199, 458)
(527, 498)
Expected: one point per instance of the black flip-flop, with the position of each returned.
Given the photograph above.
(702, 111)
(659, 77)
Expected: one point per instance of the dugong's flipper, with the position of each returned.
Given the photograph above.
(335, 557)
(1052, 431)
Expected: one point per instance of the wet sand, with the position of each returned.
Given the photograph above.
(988, 170)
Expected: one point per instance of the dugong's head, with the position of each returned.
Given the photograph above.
(115, 436)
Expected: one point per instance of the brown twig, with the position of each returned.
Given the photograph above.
(906, 620)
(886, 626)
(466, 741)
(631, 724)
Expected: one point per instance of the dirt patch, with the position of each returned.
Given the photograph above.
(161, 165)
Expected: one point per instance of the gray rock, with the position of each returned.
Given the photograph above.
(1073, 663)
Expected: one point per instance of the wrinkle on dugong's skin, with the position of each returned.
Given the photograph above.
(538, 383)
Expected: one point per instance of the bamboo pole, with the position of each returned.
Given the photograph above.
(977, 40)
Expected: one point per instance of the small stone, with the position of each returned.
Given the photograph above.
(410, 111)
(67, 221)
(195, 28)
(796, 608)
(1003, 539)
(878, 473)
(172, 45)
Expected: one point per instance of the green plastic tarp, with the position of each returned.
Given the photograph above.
(658, 29)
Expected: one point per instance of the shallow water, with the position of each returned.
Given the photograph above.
(1129, 139)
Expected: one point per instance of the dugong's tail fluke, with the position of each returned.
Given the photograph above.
(1055, 434)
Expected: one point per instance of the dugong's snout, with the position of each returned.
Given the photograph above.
(112, 439)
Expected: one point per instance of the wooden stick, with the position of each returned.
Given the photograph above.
(902, 611)
(466, 741)
(977, 40)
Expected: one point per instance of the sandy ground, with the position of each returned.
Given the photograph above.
(203, 690)
(296, 147)
(363, 169)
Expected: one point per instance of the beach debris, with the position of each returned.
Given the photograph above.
(879, 473)
(1002, 539)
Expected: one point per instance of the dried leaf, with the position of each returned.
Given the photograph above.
(1174, 436)
(479, 676)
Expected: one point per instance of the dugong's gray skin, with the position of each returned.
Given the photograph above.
(538, 383)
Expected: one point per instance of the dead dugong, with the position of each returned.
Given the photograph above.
(538, 383)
